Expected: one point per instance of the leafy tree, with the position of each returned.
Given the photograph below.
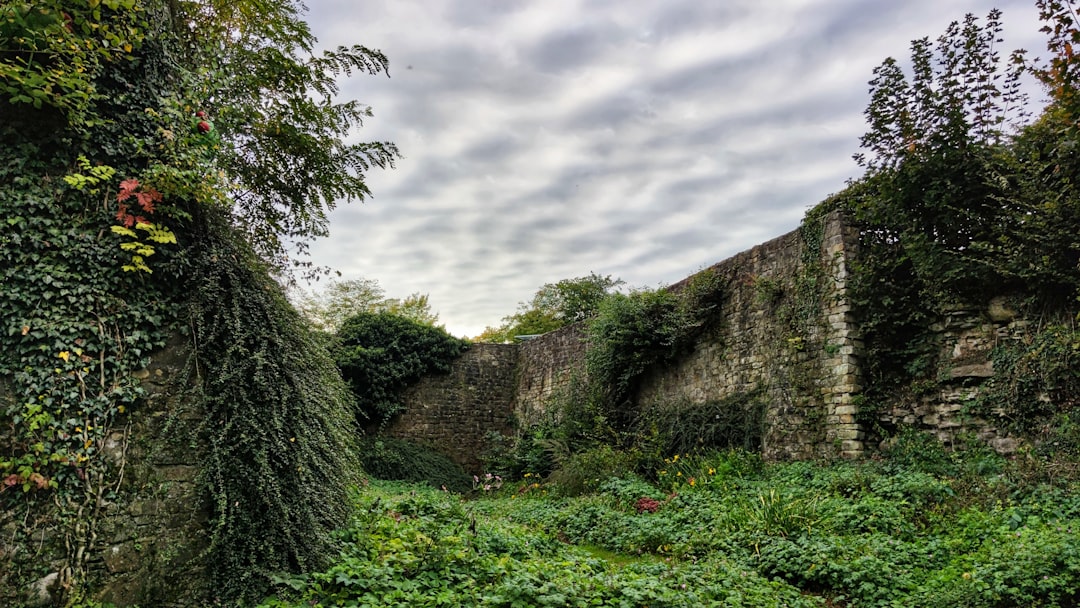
(220, 119)
(328, 309)
(554, 305)
(961, 201)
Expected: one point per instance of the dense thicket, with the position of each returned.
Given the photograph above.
(155, 156)
(962, 199)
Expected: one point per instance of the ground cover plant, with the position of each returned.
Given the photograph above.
(921, 526)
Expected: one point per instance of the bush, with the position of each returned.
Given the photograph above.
(400, 460)
(587, 470)
(380, 354)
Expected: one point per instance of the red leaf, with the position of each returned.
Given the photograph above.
(122, 214)
(146, 201)
(11, 480)
(127, 188)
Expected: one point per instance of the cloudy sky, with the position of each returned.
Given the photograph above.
(643, 139)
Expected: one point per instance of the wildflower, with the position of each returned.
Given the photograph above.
(692, 481)
(712, 471)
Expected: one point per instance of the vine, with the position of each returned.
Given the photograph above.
(69, 344)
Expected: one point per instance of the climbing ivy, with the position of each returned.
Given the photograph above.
(631, 333)
(131, 142)
(275, 420)
(69, 343)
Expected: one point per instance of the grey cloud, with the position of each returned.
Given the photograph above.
(574, 47)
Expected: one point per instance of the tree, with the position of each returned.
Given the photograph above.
(328, 309)
(213, 101)
(221, 121)
(554, 305)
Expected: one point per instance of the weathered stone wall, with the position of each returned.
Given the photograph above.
(547, 365)
(151, 530)
(786, 335)
(453, 412)
(966, 337)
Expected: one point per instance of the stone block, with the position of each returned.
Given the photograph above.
(974, 370)
(120, 558)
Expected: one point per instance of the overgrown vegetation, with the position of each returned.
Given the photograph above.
(154, 157)
(963, 201)
(275, 421)
(392, 459)
(630, 335)
(380, 354)
(921, 527)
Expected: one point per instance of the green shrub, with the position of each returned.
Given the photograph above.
(380, 354)
(586, 471)
(401, 460)
(680, 427)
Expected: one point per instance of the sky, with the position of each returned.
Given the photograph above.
(642, 139)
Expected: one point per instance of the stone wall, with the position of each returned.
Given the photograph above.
(547, 365)
(786, 334)
(966, 337)
(453, 412)
(151, 530)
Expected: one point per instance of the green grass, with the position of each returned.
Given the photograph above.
(973, 530)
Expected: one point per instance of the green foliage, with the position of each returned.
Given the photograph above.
(69, 343)
(339, 300)
(680, 427)
(1034, 378)
(276, 422)
(960, 202)
(380, 354)
(283, 133)
(633, 332)
(586, 470)
(883, 533)
(52, 52)
(401, 460)
(417, 547)
(113, 89)
(555, 305)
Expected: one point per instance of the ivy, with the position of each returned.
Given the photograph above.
(381, 353)
(69, 344)
(1035, 379)
(276, 421)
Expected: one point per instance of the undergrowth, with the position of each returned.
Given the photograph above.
(923, 526)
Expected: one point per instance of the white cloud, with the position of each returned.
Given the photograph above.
(546, 140)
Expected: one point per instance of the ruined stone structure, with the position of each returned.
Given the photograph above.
(153, 524)
(787, 335)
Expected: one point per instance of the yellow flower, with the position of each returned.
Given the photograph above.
(675, 459)
(679, 474)
(692, 481)
(712, 471)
